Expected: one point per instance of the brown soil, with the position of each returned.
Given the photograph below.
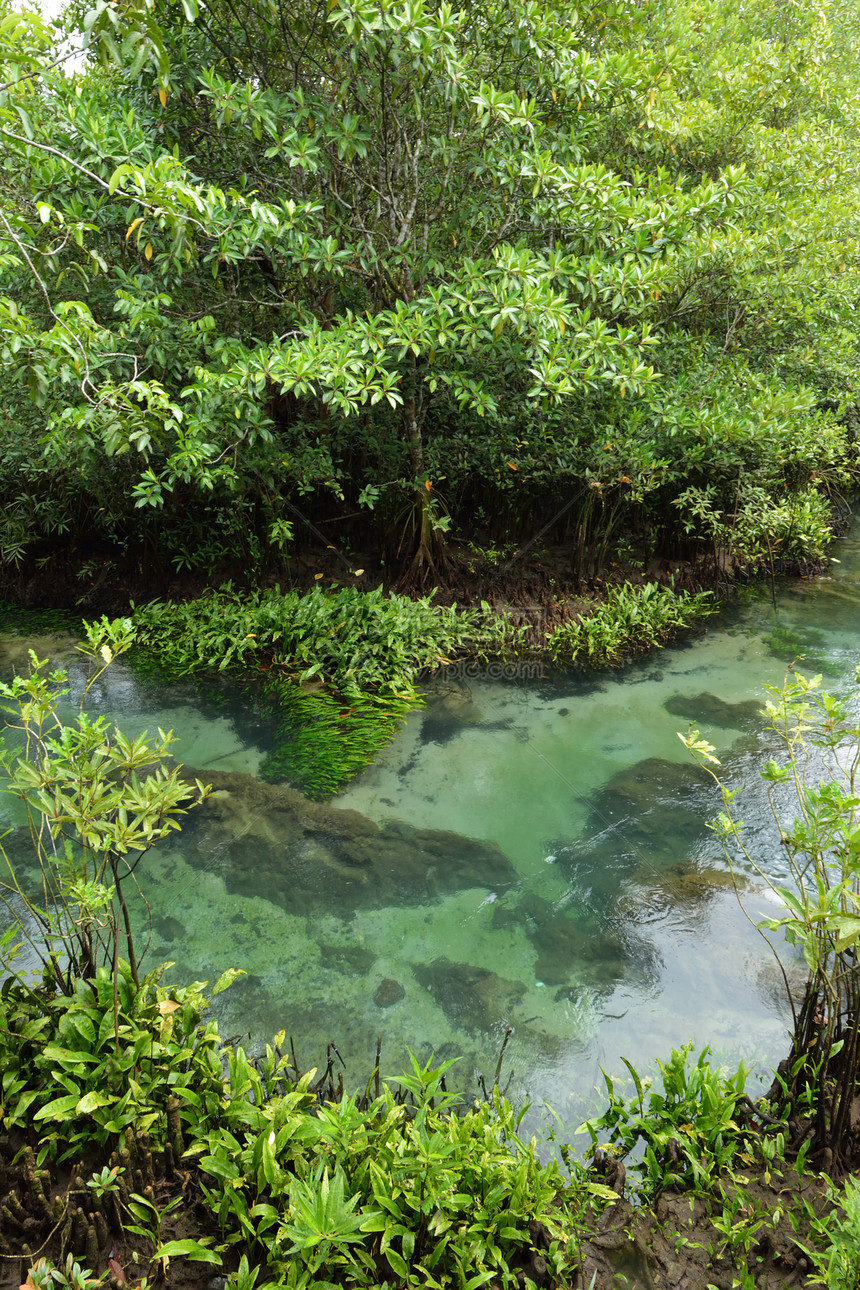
(535, 577)
(676, 1246)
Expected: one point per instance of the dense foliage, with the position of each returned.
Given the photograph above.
(353, 641)
(627, 621)
(435, 265)
(405, 1187)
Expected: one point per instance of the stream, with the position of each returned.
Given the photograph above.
(529, 852)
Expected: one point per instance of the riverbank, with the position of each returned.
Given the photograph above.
(171, 1157)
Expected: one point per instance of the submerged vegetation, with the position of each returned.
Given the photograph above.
(322, 741)
(343, 666)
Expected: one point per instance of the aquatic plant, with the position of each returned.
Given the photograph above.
(363, 650)
(322, 741)
(630, 619)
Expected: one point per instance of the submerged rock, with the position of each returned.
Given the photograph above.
(472, 997)
(268, 840)
(388, 992)
(714, 711)
(449, 712)
(170, 928)
(569, 946)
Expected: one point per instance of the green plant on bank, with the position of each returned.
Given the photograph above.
(631, 619)
(84, 1067)
(95, 801)
(691, 1129)
(45, 1275)
(818, 775)
(740, 1220)
(352, 640)
(837, 1236)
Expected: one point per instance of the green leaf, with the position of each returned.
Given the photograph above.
(60, 1109)
(220, 1168)
(196, 1251)
(92, 1101)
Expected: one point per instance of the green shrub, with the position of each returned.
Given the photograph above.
(690, 1129)
(355, 641)
(630, 620)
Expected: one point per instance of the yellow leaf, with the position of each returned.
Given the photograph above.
(512, 466)
(133, 225)
(359, 572)
(167, 1006)
(162, 94)
(554, 97)
(147, 250)
(318, 576)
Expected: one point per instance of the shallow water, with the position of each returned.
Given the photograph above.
(526, 853)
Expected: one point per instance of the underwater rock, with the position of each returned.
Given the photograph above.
(472, 997)
(449, 712)
(568, 947)
(170, 928)
(652, 780)
(654, 808)
(268, 840)
(357, 959)
(388, 992)
(714, 711)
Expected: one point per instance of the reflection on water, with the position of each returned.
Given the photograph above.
(534, 856)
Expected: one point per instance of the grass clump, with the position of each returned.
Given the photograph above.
(356, 642)
(630, 620)
(323, 741)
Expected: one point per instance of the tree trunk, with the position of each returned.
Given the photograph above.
(421, 544)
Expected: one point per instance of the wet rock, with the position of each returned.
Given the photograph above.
(472, 997)
(170, 928)
(710, 709)
(388, 992)
(653, 811)
(450, 711)
(268, 840)
(653, 780)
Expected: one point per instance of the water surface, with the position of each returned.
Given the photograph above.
(529, 854)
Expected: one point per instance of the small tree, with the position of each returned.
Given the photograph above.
(820, 735)
(96, 801)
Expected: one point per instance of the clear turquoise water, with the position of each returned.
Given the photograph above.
(525, 854)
